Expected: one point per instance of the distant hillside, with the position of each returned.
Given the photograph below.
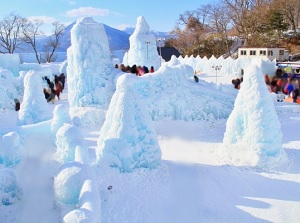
(118, 40)
(118, 43)
(166, 35)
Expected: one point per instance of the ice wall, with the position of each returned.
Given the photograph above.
(171, 92)
(229, 66)
(10, 62)
(7, 89)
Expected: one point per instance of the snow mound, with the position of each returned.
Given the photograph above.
(60, 117)
(68, 138)
(76, 190)
(87, 117)
(10, 191)
(10, 150)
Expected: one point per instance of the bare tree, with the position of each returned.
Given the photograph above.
(181, 42)
(53, 41)
(190, 32)
(202, 13)
(221, 22)
(10, 33)
(248, 18)
(291, 11)
(31, 29)
(184, 18)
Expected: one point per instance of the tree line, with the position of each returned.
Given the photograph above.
(209, 29)
(15, 30)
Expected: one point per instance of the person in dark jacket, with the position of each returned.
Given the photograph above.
(62, 80)
(295, 95)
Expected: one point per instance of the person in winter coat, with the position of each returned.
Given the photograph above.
(295, 95)
(288, 88)
(62, 79)
(58, 88)
(49, 95)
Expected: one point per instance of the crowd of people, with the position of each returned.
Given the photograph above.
(55, 87)
(284, 83)
(134, 69)
(281, 83)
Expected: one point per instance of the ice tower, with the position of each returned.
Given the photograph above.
(89, 65)
(127, 138)
(34, 107)
(253, 134)
(143, 49)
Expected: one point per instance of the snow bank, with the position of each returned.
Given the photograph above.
(54, 67)
(75, 187)
(229, 66)
(30, 66)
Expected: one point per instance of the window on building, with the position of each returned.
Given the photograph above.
(252, 52)
(270, 53)
(262, 53)
(244, 52)
(281, 52)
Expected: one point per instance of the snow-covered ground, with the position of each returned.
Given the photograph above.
(190, 185)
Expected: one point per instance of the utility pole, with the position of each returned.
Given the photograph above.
(217, 68)
(160, 40)
(147, 48)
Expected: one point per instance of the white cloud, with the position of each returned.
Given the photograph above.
(45, 19)
(72, 2)
(124, 26)
(87, 11)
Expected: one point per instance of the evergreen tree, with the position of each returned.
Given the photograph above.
(276, 22)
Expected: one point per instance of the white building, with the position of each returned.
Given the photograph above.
(280, 54)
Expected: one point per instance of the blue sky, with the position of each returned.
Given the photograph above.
(160, 15)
